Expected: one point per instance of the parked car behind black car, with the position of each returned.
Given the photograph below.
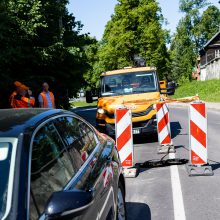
(54, 165)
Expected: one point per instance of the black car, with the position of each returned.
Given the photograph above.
(54, 165)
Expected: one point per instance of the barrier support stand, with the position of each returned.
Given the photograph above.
(130, 172)
(198, 141)
(124, 141)
(166, 149)
(204, 170)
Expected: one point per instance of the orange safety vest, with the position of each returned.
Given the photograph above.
(45, 101)
(24, 102)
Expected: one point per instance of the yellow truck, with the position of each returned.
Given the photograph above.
(135, 88)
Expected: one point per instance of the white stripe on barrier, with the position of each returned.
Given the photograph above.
(199, 149)
(198, 119)
(126, 150)
(123, 123)
(163, 134)
(162, 112)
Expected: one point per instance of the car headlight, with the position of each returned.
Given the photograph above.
(101, 111)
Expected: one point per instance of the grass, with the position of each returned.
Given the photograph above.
(82, 104)
(207, 90)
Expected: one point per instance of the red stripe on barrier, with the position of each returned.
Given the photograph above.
(124, 138)
(195, 159)
(128, 161)
(163, 122)
(159, 106)
(200, 108)
(166, 140)
(197, 133)
(120, 114)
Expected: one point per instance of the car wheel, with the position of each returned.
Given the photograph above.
(121, 209)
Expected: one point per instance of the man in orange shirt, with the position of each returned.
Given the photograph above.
(46, 98)
(21, 97)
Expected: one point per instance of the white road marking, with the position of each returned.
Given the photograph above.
(87, 109)
(179, 211)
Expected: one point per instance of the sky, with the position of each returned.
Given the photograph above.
(94, 14)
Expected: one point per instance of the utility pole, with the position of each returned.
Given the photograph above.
(60, 22)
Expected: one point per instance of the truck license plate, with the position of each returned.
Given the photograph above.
(136, 131)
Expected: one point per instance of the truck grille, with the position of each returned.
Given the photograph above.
(140, 124)
(134, 114)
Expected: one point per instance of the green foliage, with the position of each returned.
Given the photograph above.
(193, 31)
(27, 14)
(75, 104)
(209, 25)
(135, 28)
(41, 42)
(207, 90)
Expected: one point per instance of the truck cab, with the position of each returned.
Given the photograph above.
(134, 88)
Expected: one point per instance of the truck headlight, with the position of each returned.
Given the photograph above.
(101, 111)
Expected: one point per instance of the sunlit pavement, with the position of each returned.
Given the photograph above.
(150, 195)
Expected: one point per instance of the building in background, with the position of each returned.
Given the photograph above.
(210, 59)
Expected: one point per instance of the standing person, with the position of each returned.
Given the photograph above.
(21, 97)
(46, 98)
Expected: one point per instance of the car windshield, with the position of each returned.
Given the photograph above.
(129, 83)
(5, 161)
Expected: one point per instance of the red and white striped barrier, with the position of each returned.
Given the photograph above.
(163, 126)
(124, 136)
(198, 141)
(198, 134)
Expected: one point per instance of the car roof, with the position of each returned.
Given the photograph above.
(13, 122)
(128, 70)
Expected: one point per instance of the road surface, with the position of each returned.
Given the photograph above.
(168, 193)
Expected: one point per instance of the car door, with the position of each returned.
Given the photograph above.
(92, 155)
(51, 168)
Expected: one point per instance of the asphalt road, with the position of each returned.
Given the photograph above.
(168, 193)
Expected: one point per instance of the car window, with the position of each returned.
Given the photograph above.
(5, 164)
(78, 136)
(51, 167)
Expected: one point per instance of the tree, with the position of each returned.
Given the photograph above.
(192, 32)
(135, 28)
(209, 25)
(41, 43)
(182, 53)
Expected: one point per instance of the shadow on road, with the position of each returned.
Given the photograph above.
(216, 164)
(175, 129)
(87, 112)
(138, 211)
(141, 139)
(181, 146)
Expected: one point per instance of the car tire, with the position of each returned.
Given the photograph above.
(121, 207)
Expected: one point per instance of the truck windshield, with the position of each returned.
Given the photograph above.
(5, 164)
(129, 83)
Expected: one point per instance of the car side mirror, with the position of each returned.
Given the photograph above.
(89, 98)
(169, 90)
(68, 204)
(92, 95)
